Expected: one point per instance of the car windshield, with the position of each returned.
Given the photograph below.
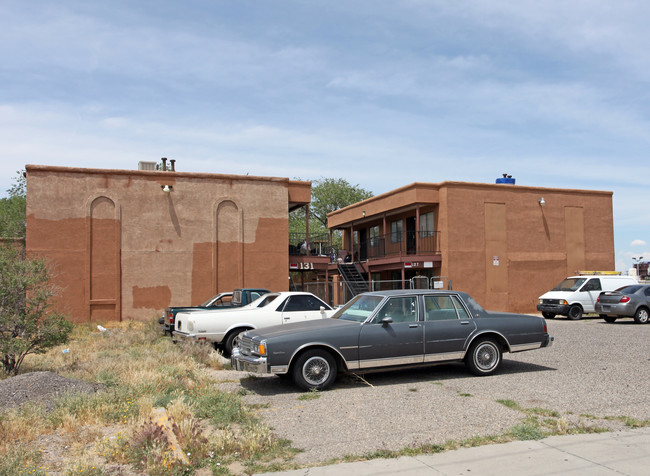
(570, 284)
(207, 303)
(358, 308)
(263, 300)
(630, 289)
(474, 307)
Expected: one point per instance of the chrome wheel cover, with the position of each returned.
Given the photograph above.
(316, 370)
(486, 356)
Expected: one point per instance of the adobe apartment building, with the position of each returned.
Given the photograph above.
(127, 243)
(504, 244)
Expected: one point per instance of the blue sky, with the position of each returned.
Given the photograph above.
(382, 93)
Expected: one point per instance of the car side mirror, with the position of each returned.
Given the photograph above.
(386, 320)
(322, 309)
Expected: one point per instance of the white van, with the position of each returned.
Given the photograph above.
(578, 294)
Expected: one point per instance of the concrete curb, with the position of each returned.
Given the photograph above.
(615, 453)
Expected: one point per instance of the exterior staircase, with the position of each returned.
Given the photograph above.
(353, 278)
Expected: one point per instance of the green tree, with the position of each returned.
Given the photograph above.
(12, 209)
(27, 323)
(330, 194)
(327, 195)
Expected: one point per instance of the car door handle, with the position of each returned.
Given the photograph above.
(414, 325)
(464, 323)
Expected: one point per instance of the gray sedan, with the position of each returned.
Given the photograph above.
(386, 330)
(628, 301)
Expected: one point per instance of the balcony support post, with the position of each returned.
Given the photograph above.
(417, 229)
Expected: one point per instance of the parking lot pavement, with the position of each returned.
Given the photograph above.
(595, 376)
(614, 453)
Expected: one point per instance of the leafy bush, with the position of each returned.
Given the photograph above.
(27, 324)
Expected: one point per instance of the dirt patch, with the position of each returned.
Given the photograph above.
(41, 387)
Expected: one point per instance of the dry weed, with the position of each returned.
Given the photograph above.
(180, 410)
(245, 442)
(22, 425)
(141, 370)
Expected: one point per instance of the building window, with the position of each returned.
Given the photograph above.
(396, 231)
(426, 225)
(373, 233)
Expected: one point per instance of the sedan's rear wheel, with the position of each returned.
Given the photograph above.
(484, 357)
(610, 318)
(641, 316)
(575, 312)
(315, 370)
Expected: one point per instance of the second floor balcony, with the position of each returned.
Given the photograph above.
(409, 243)
(398, 244)
(309, 245)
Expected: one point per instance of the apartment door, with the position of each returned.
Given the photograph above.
(410, 236)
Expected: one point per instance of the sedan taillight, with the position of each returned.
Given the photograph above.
(625, 299)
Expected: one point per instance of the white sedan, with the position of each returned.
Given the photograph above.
(222, 327)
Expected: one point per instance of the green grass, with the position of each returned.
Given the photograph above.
(309, 396)
(629, 422)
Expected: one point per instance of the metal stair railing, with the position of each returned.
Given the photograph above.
(354, 281)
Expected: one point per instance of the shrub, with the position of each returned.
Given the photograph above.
(27, 324)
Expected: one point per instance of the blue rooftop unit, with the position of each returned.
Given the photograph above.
(507, 179)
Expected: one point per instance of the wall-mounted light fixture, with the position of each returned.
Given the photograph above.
(542, 202)
(167, 188)
(363, 213)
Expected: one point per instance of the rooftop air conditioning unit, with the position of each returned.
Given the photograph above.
(142, 165)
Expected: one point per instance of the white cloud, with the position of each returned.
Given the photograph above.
(380, 93)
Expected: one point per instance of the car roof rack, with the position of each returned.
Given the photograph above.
(611, 273)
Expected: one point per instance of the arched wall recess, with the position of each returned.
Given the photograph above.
(229, 245)
(103, 259)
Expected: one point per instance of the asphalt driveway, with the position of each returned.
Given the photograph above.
(593, 372)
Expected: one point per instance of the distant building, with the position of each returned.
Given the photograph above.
(124, 244)
(504, 244)
(641, 270)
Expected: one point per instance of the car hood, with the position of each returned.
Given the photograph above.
(556, 294)
(303, 327)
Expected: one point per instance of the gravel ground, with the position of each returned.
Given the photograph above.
(594, 370)
(41, 387)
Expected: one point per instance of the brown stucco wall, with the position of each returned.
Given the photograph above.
(496, 241)
(124, 249)
(482, 222)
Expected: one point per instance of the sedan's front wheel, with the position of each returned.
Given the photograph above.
(484, 357)
(641, 316)
(315, 370)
